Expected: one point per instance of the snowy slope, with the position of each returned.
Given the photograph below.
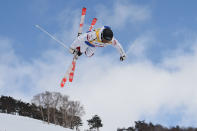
(19, 123)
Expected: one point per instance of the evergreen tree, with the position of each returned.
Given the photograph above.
(8, 105)
(95, 122)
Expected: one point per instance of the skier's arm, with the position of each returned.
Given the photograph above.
(118, 46)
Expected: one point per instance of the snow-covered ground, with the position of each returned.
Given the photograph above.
(19, 123)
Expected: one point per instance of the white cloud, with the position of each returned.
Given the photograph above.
(140, 45)
(119, 93)
(20, 78)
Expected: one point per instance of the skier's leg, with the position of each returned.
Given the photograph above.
(78, 45)
(90, 51)
(75, 47)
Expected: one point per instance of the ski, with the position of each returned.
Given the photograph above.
(92, 24)
(70, 72)
(82, 21)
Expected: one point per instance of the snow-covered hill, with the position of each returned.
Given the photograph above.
(19, 123)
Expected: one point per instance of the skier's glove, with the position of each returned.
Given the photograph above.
(79, 53)
(72, 51)
(122, 58)
(75, 51)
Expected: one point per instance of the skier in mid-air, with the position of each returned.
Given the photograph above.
(101, 37)
(87, 43)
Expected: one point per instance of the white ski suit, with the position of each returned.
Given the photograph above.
(88, 42)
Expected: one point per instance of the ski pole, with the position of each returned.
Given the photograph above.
(43, 30)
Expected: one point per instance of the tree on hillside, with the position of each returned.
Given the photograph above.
(47, 101)
(64, 102)
(8, 105)
(95, 122)
(143, 126)
(51, 107)
(56, 108)
(77, 122)
(56, 97)
(75, 109)
(37, 100)
(36, 112)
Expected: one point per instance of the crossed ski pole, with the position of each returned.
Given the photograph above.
(43, 30)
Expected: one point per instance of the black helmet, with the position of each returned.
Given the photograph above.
(107, 33)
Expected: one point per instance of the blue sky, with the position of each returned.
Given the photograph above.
(158, 36)
(167, 17)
